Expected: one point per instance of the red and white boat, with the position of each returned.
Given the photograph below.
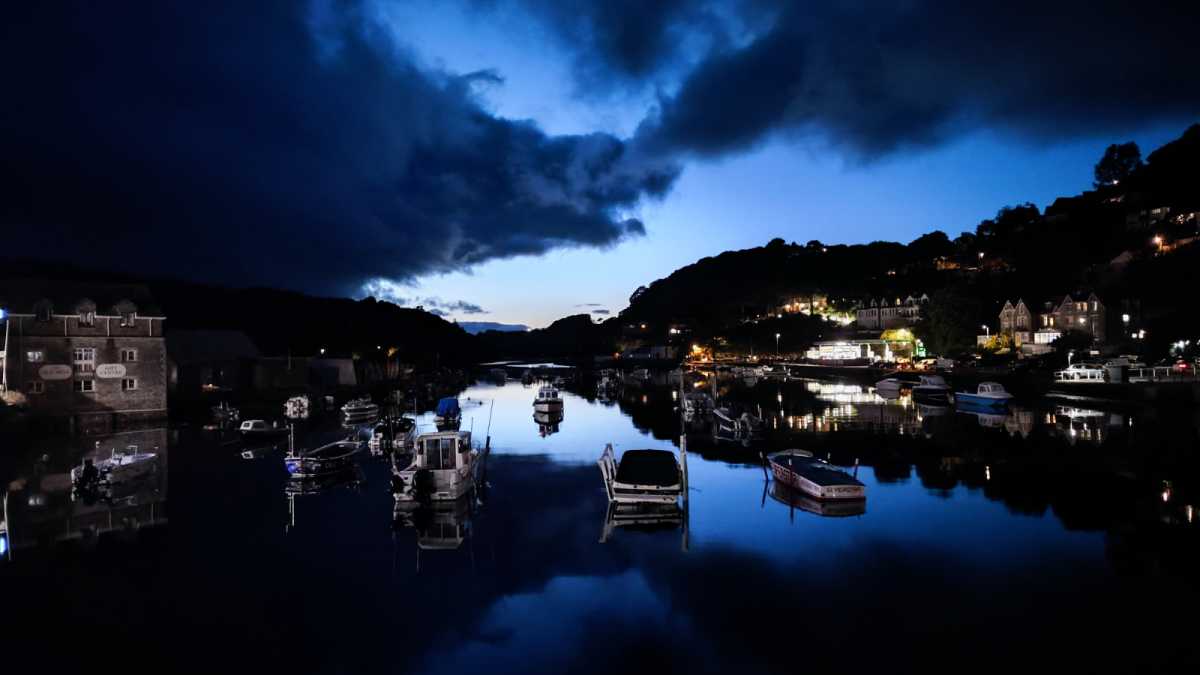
(799, 470)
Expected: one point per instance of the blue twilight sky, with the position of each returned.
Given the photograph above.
(793, 188)
(521, 160)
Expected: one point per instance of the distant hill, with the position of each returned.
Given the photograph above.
(476, 327)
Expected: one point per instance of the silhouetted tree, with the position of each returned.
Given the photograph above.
(1118, 163)
(949, 323)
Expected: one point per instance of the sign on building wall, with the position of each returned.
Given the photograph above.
(54, 372)
(108, 371)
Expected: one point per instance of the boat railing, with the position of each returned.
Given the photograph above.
(1160, 374)
(608, 469)
(1079, 375)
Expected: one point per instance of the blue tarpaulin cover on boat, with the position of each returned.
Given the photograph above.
(447, 407)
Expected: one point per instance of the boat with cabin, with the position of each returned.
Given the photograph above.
(932, 388)
(259, 429)
(547, 422)
(818, 479)
(987, 395)
(443, 466)
(893, 383)
(360, 410)
(547, 400)
(1080, 372)
(642, 476)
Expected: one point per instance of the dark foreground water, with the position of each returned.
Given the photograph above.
(1058, 537)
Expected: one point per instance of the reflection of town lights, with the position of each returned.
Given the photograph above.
(987, 472)
(1189, 512)
(1166, 494)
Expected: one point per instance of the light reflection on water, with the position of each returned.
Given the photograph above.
(1050, 525)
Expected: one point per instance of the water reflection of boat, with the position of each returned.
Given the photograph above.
(548, 422)
(641, 476)
(443, 525)
(798, 500)
(798, 469)
(931, 388)
(696, 404)
(987, 419)
(443, 466)
(728, 422)
(351, 476)
(645, 518)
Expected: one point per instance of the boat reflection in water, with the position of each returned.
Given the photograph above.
(794, 499)
(351, 478)
(439, 525)
(1083, 424)
(647, 518)
(548, 422)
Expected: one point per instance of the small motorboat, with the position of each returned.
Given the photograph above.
(331, 458)
(257, 429)
(798, 469)
(392, 435)
(443, 467)
(729, 423)
(894, 383)
(641, 476)
(360, 410)
(931, 388)
(548, 400)
(448, 414)
(120, 467)
(987, 395)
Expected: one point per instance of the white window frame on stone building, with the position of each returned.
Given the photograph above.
(129, 355)
(85, 386)
(129, 384)
(85, 359)
(37, 387)
(35, 356)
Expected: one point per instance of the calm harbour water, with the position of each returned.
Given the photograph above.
(1056, 537)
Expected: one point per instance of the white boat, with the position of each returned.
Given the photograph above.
(360, 410)
(894, 383)
(986, 395)
(120, 467)
(798, 469)
(548, 422)
(1080, 372)
(327, 459)
(642, 476)
(253, 429)
(548, 400)
(392, 435)
(931, 388)
(443, 466)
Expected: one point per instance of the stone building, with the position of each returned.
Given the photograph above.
(1076, 312)
(91, 356)
(883, 313)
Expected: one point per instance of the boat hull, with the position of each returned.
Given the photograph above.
(796, 481)
(548, 406)
(447, 485)
(985, 402)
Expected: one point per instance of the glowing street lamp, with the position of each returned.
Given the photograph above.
(987, 331)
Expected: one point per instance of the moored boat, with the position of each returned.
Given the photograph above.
(641, 476)
(830, 508)
(392, 434)
(443, 466)
(548, 400)
(360, 410)
(986, 395)
(894, 383)
(331, 458)
(798, 469)
(931, 388)
(118, 468)
(255, 429)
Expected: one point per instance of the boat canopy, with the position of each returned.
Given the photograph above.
(648, 467)
(447, 407)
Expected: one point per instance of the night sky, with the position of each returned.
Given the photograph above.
(520, 160)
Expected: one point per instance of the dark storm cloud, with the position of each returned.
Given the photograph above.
(875, 77)
(283, 144)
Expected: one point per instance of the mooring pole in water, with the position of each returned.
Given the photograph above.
(856, 467)
(684, 470)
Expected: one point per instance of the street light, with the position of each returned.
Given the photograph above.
(987, 330)
(322, 351)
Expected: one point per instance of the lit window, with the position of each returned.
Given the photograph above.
(85, 385)
(129, 384)
(35, 356)
(129, 355)
(1082, 320)
(37, 387)
(87, 318)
